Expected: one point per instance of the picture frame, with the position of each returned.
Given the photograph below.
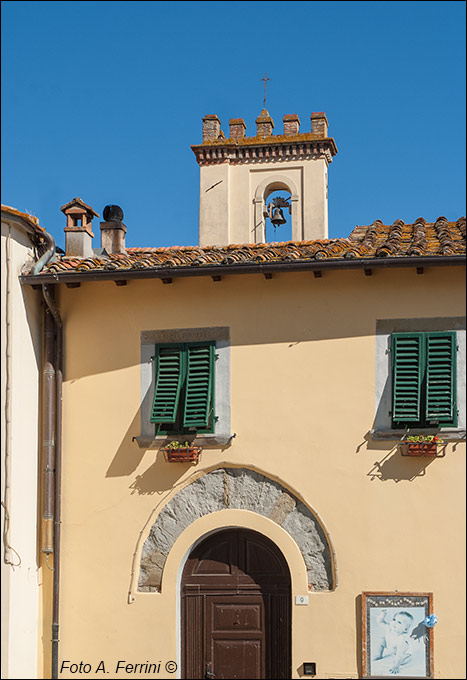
(396, 643)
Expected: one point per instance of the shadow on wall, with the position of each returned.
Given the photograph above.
(399, 468)
(389, 465)
(392, 465)
(158, 477)
(299, 303)
(128, 455)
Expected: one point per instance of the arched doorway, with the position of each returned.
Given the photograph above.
(236, 608)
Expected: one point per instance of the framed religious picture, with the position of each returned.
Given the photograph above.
(397, 635)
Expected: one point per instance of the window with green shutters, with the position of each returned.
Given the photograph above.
(424, 379)
(184, 388)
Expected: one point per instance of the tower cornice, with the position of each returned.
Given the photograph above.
(261, 149)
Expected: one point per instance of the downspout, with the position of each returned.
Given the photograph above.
(53, 311)
(45, 257)
(52, 438)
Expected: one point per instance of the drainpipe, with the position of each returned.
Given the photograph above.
(55, 409)
(52, 438)
(45, 257)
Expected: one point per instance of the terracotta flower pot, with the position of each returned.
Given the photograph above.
(421, 449)
(183, 454)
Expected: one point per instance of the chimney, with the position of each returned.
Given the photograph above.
(113, 230)
(264, 124)
(291, 124)
(237, 128)
(211, 128)
(78, 234)
(319, 124)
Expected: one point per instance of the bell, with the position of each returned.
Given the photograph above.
(278, 217)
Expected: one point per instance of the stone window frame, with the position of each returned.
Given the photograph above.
(382, 426)
(218, 334)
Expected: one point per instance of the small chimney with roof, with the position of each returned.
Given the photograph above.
(113, 230)
(264, 124)
(78, 233)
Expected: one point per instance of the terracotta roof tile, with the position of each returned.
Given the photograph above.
(441, 238)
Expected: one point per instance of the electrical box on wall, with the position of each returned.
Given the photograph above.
(309, 668)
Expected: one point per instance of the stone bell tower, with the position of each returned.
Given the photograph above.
(238, 173)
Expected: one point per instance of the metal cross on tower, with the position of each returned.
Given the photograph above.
(265, 84)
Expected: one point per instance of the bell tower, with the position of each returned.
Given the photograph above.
(239, 173)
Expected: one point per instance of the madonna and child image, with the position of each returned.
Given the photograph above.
(398, 642)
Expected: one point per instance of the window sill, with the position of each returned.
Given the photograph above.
(145, 442)
(446, 434)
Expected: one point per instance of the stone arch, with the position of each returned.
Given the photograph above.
(263, 190)
(238, 489)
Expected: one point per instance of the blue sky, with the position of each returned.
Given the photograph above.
(102, 100)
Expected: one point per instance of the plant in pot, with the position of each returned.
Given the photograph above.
(178, 452)
(422, 445)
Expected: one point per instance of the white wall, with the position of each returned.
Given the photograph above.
(22, 341)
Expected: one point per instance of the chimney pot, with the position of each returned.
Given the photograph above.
(113, 213)
(113, 230)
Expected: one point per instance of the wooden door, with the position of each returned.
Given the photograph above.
(236, 608)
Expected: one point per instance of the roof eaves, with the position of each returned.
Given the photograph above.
(31, 220)
(164, 272)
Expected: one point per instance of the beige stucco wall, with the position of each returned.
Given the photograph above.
(20, 339)
(302, 404)
(232, 199)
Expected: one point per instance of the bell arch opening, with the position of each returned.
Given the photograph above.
(277, 215)
(278, 208)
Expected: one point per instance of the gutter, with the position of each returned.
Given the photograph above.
(162, 272)
(47, 256)
(52, 371)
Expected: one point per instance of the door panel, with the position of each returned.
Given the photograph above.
(235, 636)
(241, 659)
(234, 617)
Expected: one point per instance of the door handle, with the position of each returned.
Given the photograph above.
(208, 672)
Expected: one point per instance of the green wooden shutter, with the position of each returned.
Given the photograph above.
(407, 362)
(199, 386)
(440, 376)
(168, 384)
